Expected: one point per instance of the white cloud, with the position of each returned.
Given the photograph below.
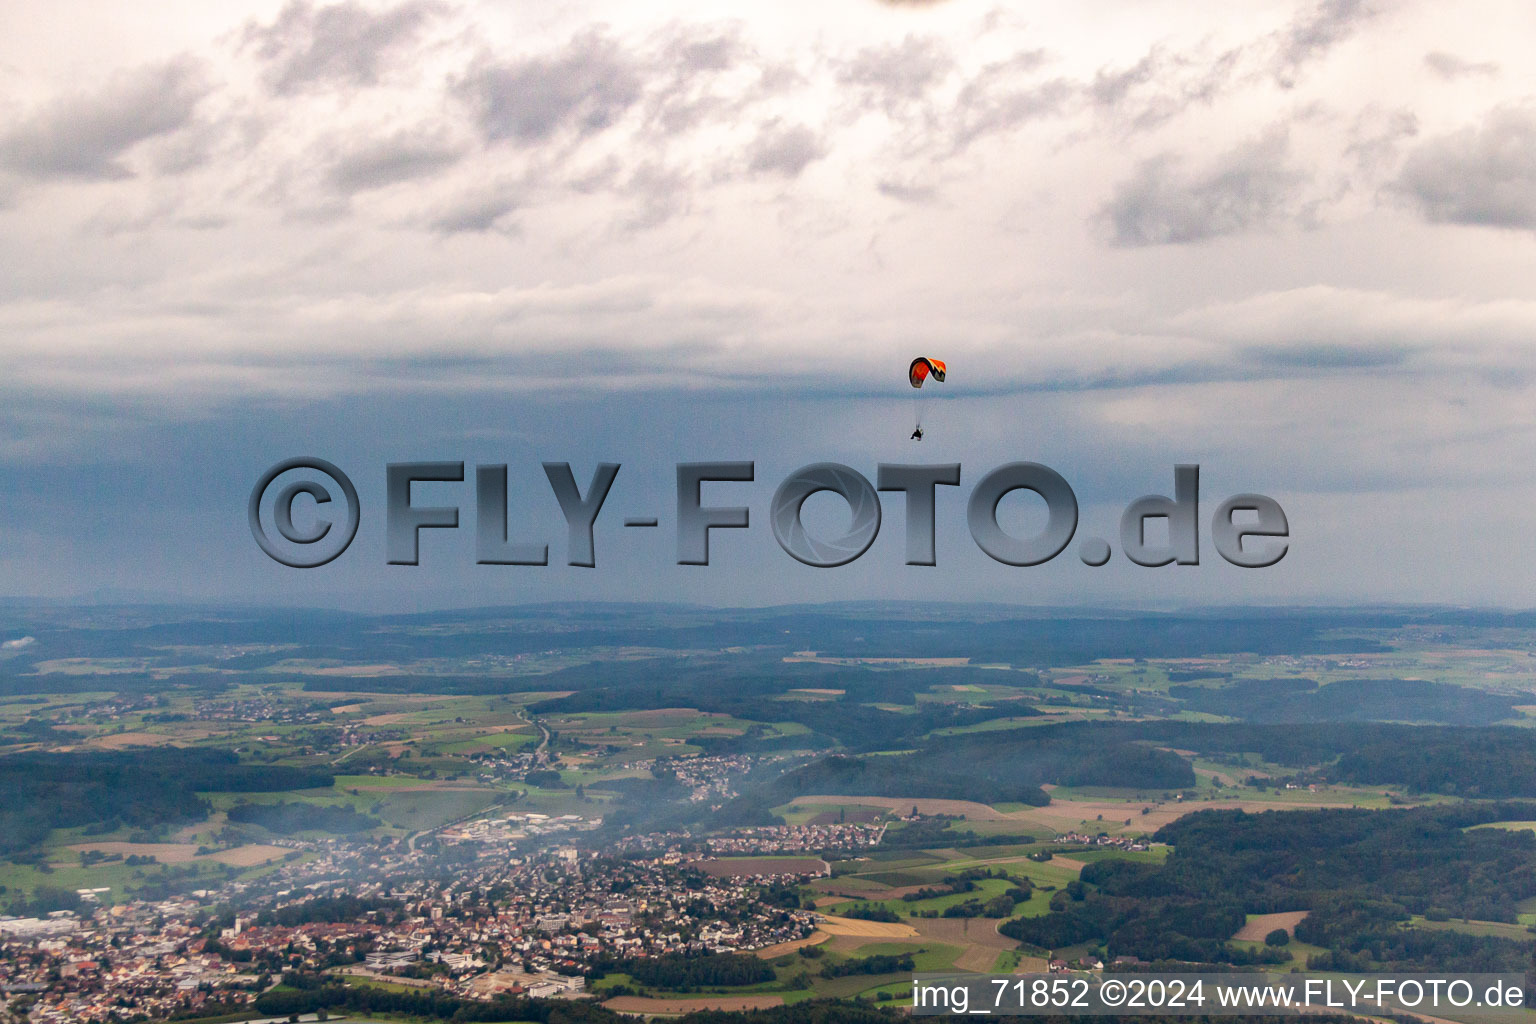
(87, 135)
(1483, 174)
(310, 45)
(1251, 186)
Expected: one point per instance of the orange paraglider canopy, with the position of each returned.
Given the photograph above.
(922, 368)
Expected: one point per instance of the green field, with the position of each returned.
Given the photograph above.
(1516, 932)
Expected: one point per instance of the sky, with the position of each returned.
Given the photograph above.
(1292, 242)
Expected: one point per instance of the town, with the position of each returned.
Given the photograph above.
(496, 924)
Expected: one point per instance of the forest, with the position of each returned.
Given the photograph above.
(684, 973)
(106, 790)
(1362, 874)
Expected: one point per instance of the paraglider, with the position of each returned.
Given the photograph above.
(921, 369)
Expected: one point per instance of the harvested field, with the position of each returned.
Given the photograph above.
(181, 853)
(867, 929)
(120, 740)
(249, 856)
(1261, 925)
(976, 958)
(393, 718)
(953, 930)
(1032, 965)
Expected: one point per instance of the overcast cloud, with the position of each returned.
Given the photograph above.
(1298, 240)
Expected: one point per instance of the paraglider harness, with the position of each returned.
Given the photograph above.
(917, 435)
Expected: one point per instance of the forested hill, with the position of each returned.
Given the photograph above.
(1360, 873)
(110, 789)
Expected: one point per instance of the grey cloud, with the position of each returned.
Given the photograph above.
(1483, 175)
(606, 174)
(584, 89)
(87, 135)
(784, 149)
(1110, 88)
(341, 43)
(998, 99)
(893, 77)
(187, 148)
(1376, 138)
(478, 212)
(1310, 37)
(908, 193)
(1249, 187)
(660, 193)
(690, 64)
(388, 161)
(1161, 85)
(1330, 357)
(1448, 65)
(715, 50)
(1325, 328)
(681, 111)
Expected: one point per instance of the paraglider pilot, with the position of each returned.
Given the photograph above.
(921, 369)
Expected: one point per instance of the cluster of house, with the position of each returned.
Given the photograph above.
(499, 764)
(500, 924)
(260, 709)
(133, 959)
(1105, 840)
(1090, 962)
(709, 777)
(675, 847)
(514, 827)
